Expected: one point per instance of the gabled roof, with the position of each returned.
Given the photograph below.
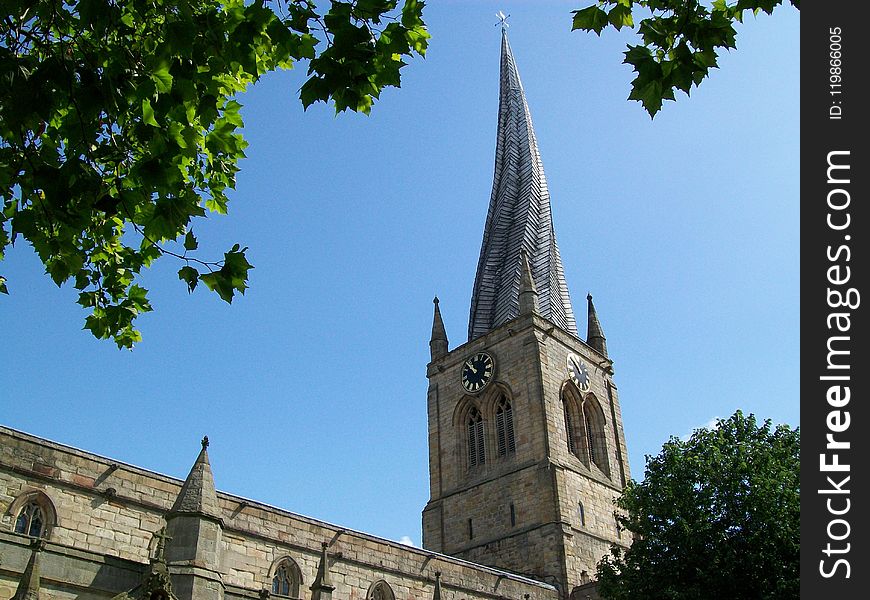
(518, 219)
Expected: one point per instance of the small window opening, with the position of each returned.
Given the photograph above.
(30, 520)
(285, 582)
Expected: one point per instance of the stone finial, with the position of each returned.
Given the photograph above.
(28, 586)
(436, 595)
(204, 442)
(438, 343)
(528, 297)
(594, 334)
(322, 587)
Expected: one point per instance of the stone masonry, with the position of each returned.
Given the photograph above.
(107, 515)
(547, 539)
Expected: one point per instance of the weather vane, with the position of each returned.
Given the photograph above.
(502, 18)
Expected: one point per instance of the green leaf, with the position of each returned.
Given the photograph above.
(620, 16)
(3, 288)
(590, 19)
(190, 276)
(162, 78)
(650, 95)
(148, 113)
(190, 242)
(232, 276)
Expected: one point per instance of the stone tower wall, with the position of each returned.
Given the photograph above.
(544, 480)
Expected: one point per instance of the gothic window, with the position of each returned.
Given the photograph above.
(476, 446)
(381, 591)
(30, 520)
(582, 512)
(504, 427)
(33, 514)
(286, 579)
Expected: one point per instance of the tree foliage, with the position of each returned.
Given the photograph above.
(119, 125)
(680, 40)
(716, 516)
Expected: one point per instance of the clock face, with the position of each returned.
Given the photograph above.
(477, 371)
(578, 372)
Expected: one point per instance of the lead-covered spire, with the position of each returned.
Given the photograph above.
(518, 219)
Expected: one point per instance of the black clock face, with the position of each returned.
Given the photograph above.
(477, 371)
(578, 373)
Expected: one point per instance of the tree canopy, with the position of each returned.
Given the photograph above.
(716, 516)
(119, 125)
(680, 40)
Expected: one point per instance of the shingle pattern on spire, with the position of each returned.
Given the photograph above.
(518, 218)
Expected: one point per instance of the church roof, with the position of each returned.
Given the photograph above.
(518, 219)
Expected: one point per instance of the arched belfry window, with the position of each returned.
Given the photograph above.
(574, 426)
(596, 445)
(381, 590)
(33, 514)
(286, 579)
(504, 427)
(476, 445)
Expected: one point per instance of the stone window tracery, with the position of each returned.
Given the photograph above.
(30, 520)
(286, 579)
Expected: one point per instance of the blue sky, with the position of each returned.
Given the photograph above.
(312, 387)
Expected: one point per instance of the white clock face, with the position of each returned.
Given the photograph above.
(578, 372)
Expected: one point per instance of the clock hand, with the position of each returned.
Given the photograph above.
(471, 366)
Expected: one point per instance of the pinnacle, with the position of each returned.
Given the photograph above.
(198, 494)
(28, 587)
(438, 343)
(594, 334)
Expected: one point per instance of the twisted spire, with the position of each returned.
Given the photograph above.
(518, 219)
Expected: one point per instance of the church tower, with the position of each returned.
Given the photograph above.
(526, 447)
